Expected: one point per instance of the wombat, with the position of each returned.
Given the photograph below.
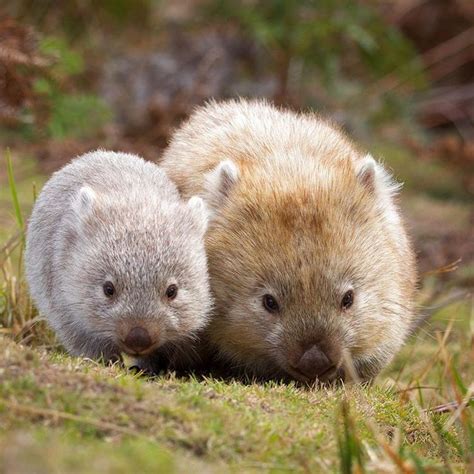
(115, 260)
(309, 260)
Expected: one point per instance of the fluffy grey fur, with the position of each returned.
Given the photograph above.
(114, 217)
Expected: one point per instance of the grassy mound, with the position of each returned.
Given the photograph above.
(61, 414)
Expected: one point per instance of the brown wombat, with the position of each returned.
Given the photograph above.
(308, 256)
(115, 260)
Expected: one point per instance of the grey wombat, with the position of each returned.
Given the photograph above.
(115, 260)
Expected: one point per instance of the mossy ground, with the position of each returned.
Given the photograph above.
(63, 414)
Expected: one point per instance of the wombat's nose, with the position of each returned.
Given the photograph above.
(138, 339)
(313, 363)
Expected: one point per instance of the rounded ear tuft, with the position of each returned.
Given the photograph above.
(375, 177)
(200, 213)
(219, 183)
(366, 172)
(84, 201)
(229, 174)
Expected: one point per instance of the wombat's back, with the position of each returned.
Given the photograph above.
(247, 132)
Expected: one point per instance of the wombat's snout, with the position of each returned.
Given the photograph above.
(315, 362)
(138, 339)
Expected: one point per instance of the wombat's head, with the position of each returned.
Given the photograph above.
(135, 269)
(310, 265)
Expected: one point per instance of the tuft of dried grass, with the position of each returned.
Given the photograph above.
(18, 317)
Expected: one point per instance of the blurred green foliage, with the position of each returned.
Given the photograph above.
(342, 38)
(339, 54)
(77, 115)
(71, 114)
(80, 18)
(68, 112)
(66, 61)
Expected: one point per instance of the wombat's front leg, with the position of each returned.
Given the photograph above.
(152, 364)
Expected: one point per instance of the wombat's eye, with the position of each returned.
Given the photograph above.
(347, 300)
(109, 289)
(270, 304)
(171, 292)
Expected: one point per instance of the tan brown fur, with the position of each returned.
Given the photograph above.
(300, 223)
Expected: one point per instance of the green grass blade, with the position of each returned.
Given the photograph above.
(14, 194)
(458, 380)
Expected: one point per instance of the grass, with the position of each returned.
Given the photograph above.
(64, 414)
(13, 190)
(46, 397)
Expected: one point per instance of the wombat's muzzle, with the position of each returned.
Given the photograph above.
(317, 362)
(138, 340)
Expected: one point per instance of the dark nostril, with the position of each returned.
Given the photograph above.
(138, 339)
(313, 362)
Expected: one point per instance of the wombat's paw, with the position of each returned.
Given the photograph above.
(153, 365)
(114, 359)
(137, 370)
(147, 372)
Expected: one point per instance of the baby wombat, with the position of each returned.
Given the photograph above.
(115, 260)
(309, 260)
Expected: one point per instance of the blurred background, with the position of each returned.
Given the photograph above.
(398, 75)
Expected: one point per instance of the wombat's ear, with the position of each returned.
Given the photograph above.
(374, 176)
(84, 202)
(219, 183)
(200, 213)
